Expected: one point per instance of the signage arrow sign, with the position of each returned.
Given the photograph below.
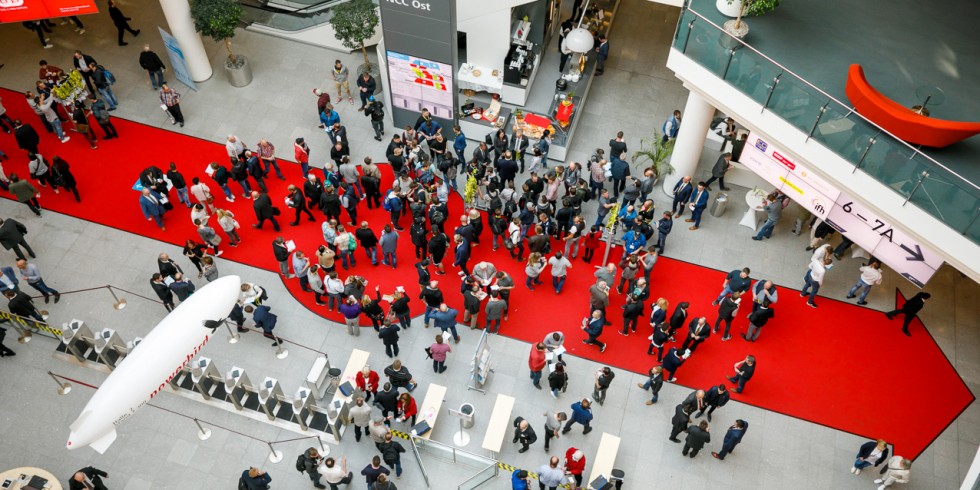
(914, 255)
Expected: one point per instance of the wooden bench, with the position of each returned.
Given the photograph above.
(429, 409)
(605, 458)
(499, 424)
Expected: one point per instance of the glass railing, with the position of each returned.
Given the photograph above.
(917, 178)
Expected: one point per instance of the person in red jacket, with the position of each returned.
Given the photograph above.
(301, 151)
(536, 361)
(575, 464)
(407, 408)
(367, 381)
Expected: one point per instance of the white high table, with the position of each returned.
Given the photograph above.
(752, 217)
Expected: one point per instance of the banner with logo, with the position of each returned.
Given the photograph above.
(23, 10)
(177, 63)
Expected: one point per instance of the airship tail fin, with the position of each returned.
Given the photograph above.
(104, 442)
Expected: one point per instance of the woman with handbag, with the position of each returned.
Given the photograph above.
(63, 176)
(372, 309)
(41, 171)
(230, 226)
(80, 118)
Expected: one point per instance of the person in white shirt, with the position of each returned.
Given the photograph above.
(870, 276)
(251, 294)
(814, 279)
(551, 475)
(235, 147)
(559, 271)
(897, 472)
(335, 474)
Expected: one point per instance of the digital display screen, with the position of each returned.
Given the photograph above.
(418, 82)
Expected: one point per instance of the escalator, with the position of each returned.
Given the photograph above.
(306, 21)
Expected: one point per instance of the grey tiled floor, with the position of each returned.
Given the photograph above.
(158, 450)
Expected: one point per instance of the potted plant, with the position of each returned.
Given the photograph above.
(218, 19)
(738, 28)
(657, 151)
(354, 23)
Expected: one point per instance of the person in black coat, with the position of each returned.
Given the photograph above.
(682, 193)
(387, 401)
(263, 210)
(22, 305)
(870, 453)
(674, 360)
(256, 479)
(163, 292)
(524, 433)
(88, 478)
(716, 397)
(150, 62)
(678, 318)
(167, 267)
(680, 421)
(653, 384)
(462, 256)
(27, 138)
(659, 340)
(697, 437)
(121, 22)
(726, 313)
(389, 337)
(734, 436)
(4, 350)
(366, 87)
(697, 332)
(632, 311)
(507, 167)
(757, 320)
(182, 287)
(12, 237)
(910, 309)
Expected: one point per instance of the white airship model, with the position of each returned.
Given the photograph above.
(161, 355)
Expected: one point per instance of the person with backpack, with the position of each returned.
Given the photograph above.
(103, 80)
(393, 204)
(101, 114)
(375, 110)
(391, 453)
(308, 463)
(254, 479)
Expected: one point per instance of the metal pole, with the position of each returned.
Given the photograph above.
(203, 433)
(63, 389)
(871, 142)
(24, 335)
(815, 123)
(232, 335)
(274, 456)
(687, 37)
(280, 352)
(731, 56)
(918, 184)
(775, 81)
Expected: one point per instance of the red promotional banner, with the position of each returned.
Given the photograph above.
(21, 10)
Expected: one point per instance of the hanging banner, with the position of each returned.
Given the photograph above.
(177, 63)
(23, 10)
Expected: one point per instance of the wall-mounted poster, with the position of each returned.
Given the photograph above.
(418, 82)
(21, 10)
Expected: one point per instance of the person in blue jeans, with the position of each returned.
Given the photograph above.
(582, 414)
(101, 81)
(559, 271)
(774, 210)
(870, 453)
(32, 274)
(445, 319)
(654, 383)
(870, 275)
(814, 279)
(699, 201)
(391, 452)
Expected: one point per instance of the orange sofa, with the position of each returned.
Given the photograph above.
(902, 121)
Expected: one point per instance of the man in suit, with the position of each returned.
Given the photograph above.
(151, 203)
(744, 370)
(12, 237)
(910, 309)
(518, 147)
(682, 417)
(265, 319)
(88, 478)
(697, 437)
(593, 327)
(462, 256)
(27, 138)
(264, 210)
(698, 332)
(163, 292)
(523, 433)
(507, 167)
(672, 362)
(732, 438)
(482, 154)
(182, 287)
(21, 304)
(722, 166)
(716, 397)
(167, 266)
(603, 50)
(699, 201)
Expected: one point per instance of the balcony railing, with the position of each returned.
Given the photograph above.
(916, 177)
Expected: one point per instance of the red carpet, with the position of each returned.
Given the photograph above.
(840, 366)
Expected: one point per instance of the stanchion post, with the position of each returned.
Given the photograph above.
(203, 433)
(232, 335)
(274, 456)
(24, 335)
(280, 352)
(63, 389)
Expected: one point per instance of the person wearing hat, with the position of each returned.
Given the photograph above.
(375, 110)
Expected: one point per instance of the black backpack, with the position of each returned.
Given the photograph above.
(301, 463)
(241, 483)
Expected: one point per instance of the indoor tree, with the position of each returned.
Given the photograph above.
(657, 151)
(354, 23)
(218, 19)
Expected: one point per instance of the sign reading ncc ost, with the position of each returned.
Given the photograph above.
(21, 10)
(875, 234)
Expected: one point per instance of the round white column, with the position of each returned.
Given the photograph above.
(695, 122)
(178, 14)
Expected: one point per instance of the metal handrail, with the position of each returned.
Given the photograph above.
(814, 87)
(480, 473)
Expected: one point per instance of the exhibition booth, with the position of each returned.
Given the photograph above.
(494, 65)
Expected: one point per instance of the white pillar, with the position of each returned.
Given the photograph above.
(695, 122)
(178, 14)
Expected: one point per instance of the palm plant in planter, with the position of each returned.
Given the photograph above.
(218, 19)
(354, 23)
(657, 151)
